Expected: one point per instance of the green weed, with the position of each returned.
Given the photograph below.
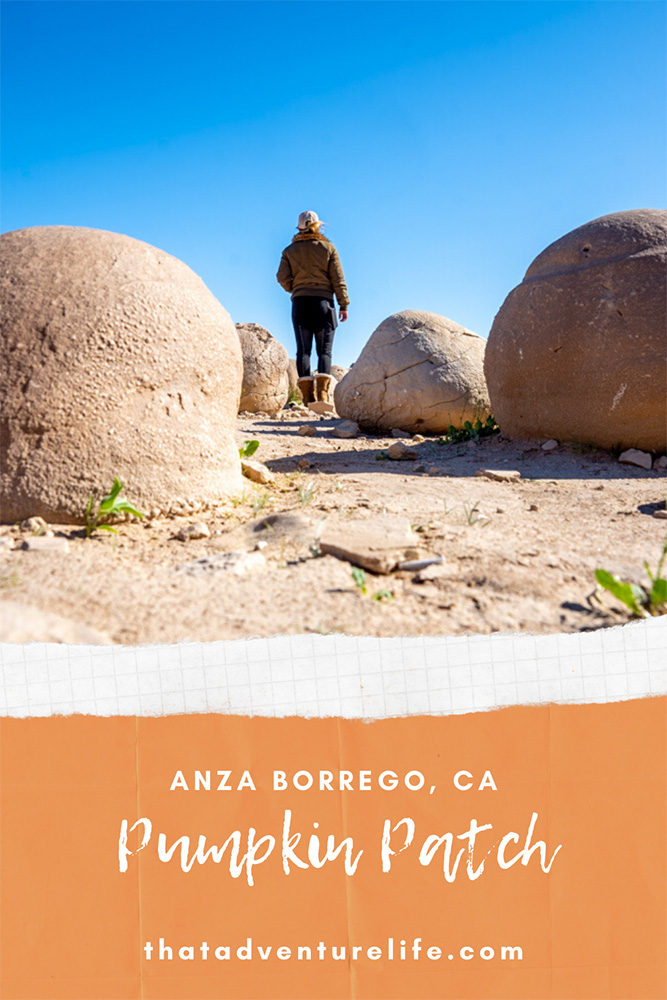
(248, 448)
(470, 431)
(644, 602)
(359, 578)
(108, 506)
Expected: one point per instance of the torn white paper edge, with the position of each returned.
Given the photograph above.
(337, 675)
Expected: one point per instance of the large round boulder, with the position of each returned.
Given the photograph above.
(577, 350)
(266, 380)
(418, 372)
(118, 361)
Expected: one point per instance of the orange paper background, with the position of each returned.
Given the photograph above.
(73, 926)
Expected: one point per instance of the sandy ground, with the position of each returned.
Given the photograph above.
(516, 555)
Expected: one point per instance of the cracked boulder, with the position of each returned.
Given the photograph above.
(117, 361)
(266, 379)
(419, 372)
(577, 350)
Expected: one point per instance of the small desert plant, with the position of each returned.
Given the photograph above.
(108, 506)
(643, 602)
(294, 396)
(473, 515)
(306, 493)
(359, 578)
(470, 431)
(260, 502)
(248, 448)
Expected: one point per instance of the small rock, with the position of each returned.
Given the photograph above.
(305, 463)
(235, 561)
(346, 429)
(533, 506)
(418, 438)
(256, 471)
(45, 543)
(400, 452)
(35, 524)
(6, 543)
(398, 433)
(550, 445)
(434, 470)
(500, 510)
(662, 514)
(500, 475)
(635, 457)
(322, 408)
(306, 431)
(190, 532)
(661, 462)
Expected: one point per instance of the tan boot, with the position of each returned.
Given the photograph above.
(322, 388)
(306, 388)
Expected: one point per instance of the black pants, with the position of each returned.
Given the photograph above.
(313, 316)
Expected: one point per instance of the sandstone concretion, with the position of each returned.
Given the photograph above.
(118, 361)
(418, 372)
(577, 350)
(266, 380)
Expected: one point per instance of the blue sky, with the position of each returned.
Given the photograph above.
(445, 143)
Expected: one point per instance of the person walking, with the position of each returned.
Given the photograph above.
(310, 270)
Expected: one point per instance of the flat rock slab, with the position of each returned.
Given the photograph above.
(500, 475)
(377, 544)
(24, 623)
(235, 561)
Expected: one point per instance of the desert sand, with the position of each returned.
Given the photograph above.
(517, 555)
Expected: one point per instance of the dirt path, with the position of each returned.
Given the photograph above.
(516, 555)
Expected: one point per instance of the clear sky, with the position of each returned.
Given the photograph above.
(445, 143)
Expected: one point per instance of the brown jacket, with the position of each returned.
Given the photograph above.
(310, 266)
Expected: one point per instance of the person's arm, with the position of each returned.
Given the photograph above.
(338, 281)
(284, 274)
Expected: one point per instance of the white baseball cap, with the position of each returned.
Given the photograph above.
(307, 218)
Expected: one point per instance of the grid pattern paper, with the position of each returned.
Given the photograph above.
(338, 675)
